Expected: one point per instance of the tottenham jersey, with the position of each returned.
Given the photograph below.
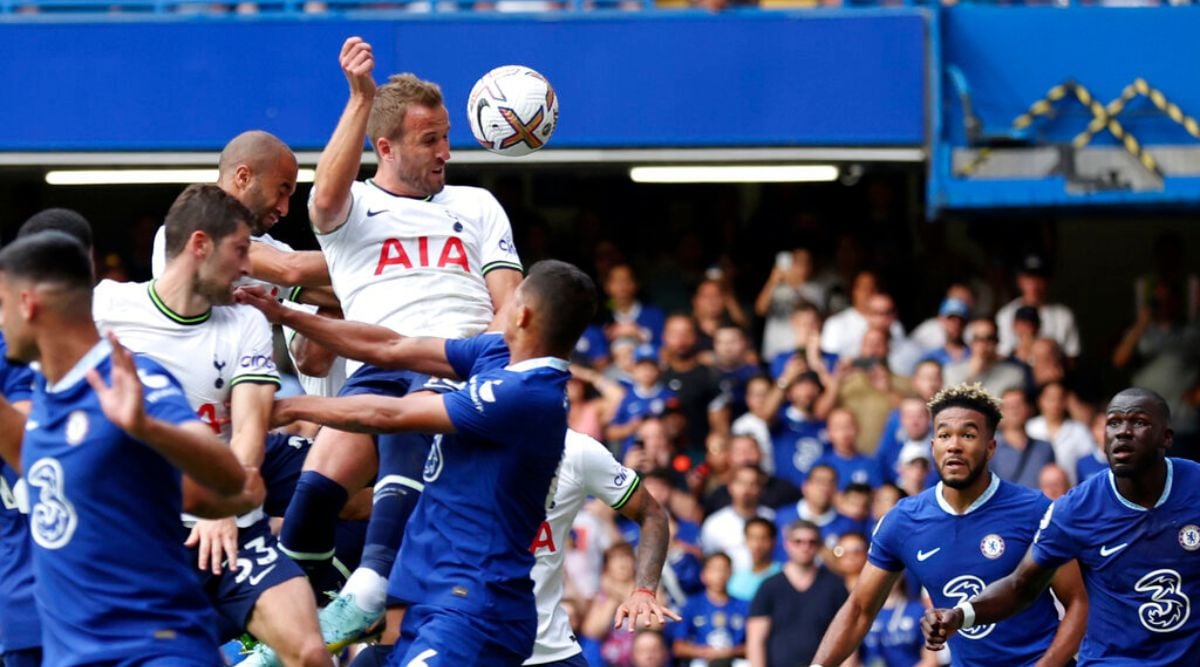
(19, 626)
(327, 386)
(588, 470)
(955, 556)
(487, 489)
(1141, 567)
(209, 354)
(417, 266)
(158, 263)
(114, 581)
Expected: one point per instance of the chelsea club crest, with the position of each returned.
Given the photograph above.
(992, 546)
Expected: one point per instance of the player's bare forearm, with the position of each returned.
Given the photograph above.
(422, 412)
(1012, 594)
(854, 619)
(206, 504)
(250, 412)
(311, 358)
(12, 431)
(194, 449)
(372, 344)
(304, 268)
(655, 536)
(321, 297)
(501, 285)
(339, 164)
(1068, 588)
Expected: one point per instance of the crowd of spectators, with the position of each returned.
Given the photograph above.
(777, 432)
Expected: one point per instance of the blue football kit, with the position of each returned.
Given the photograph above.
(707, 623)
(1140, 567)
(115, 584)
(798, 443)
(487, 487)
(955, 556)
(20, 629)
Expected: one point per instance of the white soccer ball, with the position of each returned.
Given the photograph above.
(512, 110)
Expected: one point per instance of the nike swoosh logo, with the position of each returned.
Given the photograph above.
(254, 579)
(372, 214)
(1105, 551)
(925, 555)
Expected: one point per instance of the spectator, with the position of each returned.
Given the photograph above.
(869, 389)
(843, 332)
(850, 555)
(931, 334)
(756, 422)
(817, 507)
(985, 365)
(1090, 466)
(903, 354)
(914, 428)
(714, 624)
(1026, 325)
(622, 357)
(1057, 320)
(792, 609)
(884, 499)
(787, 288)
(1019, 458)
(730, 361)
(761, 536)
(844, 457)
(798, 436)
(724, 530)
(806, 327)
(1053, 482)
(744, 452)
(652, 450)
(1046, 362)
(630, 317)
(650, 650)
(648, 397)
(590, 415)
(1170, 274)
(926, 381)
(616, 584)
(854, 503)
(952, 318)
(1069, 438)
(713, 307)
(915, 468)
(697, 386)
(895, 639)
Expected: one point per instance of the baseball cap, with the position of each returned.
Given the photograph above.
(1028, 314)
(645, 353)
(1035, 265)
(952, 307)
(912, 451)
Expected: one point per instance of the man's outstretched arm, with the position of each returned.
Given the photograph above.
(369, 343)
(854, 619)
(1000, 600)
(422, 412)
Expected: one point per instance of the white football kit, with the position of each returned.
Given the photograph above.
(587, 469)
(208, 354)
(417, 266)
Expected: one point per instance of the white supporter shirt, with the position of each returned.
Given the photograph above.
(724, 531)
(417, 266)
(208, 354)
(587, 469)
(1058, 322)
(158, 262)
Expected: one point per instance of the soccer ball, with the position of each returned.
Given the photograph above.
(512, 110)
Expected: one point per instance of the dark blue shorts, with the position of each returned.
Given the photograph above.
(281, 469)
(370, 379)
(234, 592)
(433, 637)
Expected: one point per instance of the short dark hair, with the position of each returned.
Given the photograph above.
(567, 300)
(805, 524)
(49, 257)
(203, 207)
(63, 220)
(772, 530)
(857, 487)
(970, 396)
(1154, 397)
(823, 466)
(715, 555)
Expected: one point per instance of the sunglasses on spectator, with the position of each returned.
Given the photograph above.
(985, 339)
(804, 540)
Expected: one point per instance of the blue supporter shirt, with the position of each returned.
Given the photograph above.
(832, 525)
(487, 487)
(956, 556)
(1141, 567)
(707, 623)
(19, 626)
(856, 469)
(798, 443)
(114, 581)
(895, 639)
(1090, 466)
